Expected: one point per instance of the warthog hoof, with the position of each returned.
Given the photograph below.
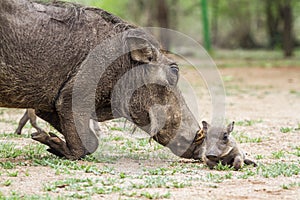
(57, 145)
(40, 136)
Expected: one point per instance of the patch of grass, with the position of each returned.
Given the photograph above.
(63, 166)
(7, 183)
(285, 129)
(70, 183)
(155, 195)
(298, 128)
(79, 196)
(279, 169)
(13, 174)
(291, 185)
(180, 184)
(247, 173)
(27, 173)
(221, 167)
(248, 122)
(133, 148)
(15, 196)
(86, 186)
(160, 181)
(185, 168)
(217, 178)
(7, 165)
(297, 151)
(9, 150)
(158, 171)
(244, 138)
(278, 154)
(34, 151)
(259, 157)
(152, 182)
(12, 135)
(122, 175)
(295, 92)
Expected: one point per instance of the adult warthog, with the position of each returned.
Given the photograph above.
(72, 63)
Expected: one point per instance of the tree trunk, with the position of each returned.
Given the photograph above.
(273, 23)
(287, 42)
(163, 21)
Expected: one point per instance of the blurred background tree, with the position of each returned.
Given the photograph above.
(235, 24)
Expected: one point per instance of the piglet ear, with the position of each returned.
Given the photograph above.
(230, 127)
(140, 49)
(205, 126)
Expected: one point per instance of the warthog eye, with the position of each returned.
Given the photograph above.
(225, 137)
(174, 68)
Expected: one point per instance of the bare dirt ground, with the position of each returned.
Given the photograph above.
(264, 103)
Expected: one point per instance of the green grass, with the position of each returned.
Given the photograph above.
(279, 169)
(13, 174)
(70, 184)
(155, 195)
(107, 185)
(247, 173)
(259, 157)
(244, 138)
(272, 170)
(295, 92)
(221, 167)
(217, 178)
(7, 165)
(7, 182)
(12, 135)
(298, 128)
(285, 129)
(290, 185)
(297, 151)
(86, 179)
(248, 122)
(278, 154)
(157, 171)
(16, 196)
(9, 150)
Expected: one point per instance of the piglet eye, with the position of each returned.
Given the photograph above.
(225, 137)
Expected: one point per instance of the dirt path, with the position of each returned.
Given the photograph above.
(264, 103)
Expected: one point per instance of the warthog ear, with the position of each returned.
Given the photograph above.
(140, 49)
(205, 126)
(230, 127)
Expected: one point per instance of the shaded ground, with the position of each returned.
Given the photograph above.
(264, 103)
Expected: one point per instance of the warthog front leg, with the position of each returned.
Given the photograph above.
(250, 162)
(72, 148)
(238, 162)
(57, 145)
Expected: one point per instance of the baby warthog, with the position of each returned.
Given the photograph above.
(220, 146)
